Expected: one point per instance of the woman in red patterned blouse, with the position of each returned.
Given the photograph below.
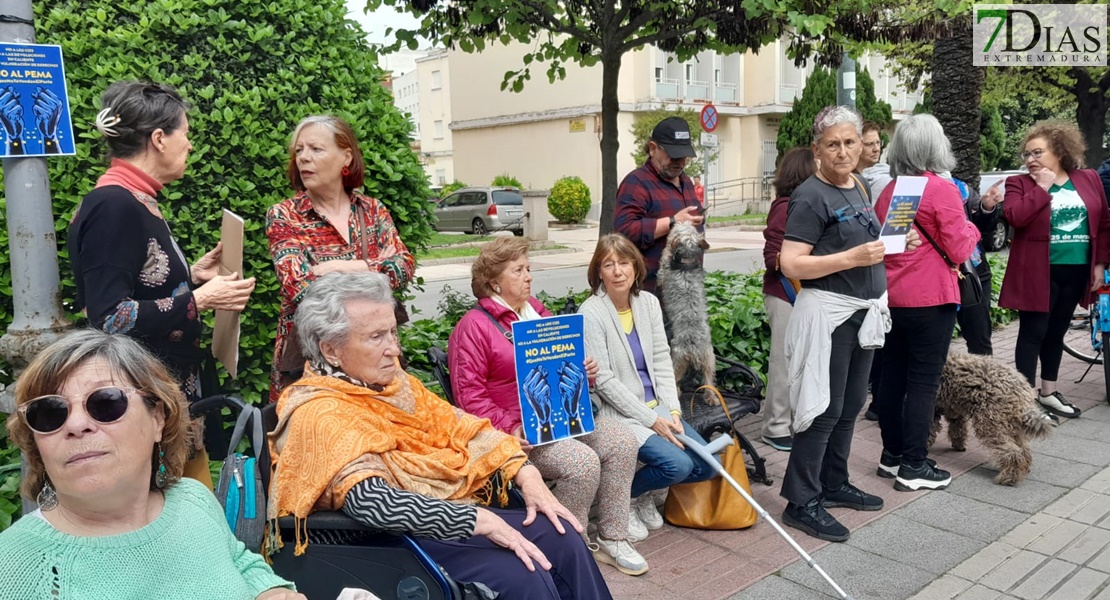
(325, 167)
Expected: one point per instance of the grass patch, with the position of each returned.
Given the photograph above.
(748, 219)
(434, 253)
(448, 239)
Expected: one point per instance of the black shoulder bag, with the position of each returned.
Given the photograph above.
(971, 289)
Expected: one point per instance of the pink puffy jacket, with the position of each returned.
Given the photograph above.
(480, 360)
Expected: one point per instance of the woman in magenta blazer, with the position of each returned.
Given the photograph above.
(1060, 250)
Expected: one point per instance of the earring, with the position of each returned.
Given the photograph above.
(497, 289)
(346, 171)
(47, 498)
(160, 477)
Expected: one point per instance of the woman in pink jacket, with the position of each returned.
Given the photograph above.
(923, 294)
(598, 466)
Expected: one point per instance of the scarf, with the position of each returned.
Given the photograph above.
(528, 313)
(127, 175)
(346, 433)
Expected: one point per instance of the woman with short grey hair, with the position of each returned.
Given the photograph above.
(322, 316)
(923, 293)
(839, 317)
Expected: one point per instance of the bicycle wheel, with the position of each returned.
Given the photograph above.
(1078, 341)
(1106, 364)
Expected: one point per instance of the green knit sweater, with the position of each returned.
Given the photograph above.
(187, 553)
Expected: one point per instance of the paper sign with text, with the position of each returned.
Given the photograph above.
(551, 378)
(902, 211)
(34, 106)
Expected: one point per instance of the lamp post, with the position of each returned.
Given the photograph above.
(846, 82)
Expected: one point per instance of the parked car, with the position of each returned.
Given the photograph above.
(481, 210)
(1001, 232)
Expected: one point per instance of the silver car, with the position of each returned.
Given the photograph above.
(480, 210)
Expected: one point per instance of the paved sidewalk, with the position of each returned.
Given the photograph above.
(1045, 538)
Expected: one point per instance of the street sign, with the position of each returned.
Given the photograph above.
(709, 118)
(709, 140)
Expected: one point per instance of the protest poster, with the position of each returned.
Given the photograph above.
(551, 378)
(34, 107)
(901, 213)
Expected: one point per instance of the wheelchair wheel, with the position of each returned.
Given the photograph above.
(1106, 365)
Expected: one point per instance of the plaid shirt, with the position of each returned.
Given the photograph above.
(643, 198)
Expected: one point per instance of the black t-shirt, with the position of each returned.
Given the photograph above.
(833, 220)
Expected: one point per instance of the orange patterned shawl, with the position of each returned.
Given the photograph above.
(332, 434)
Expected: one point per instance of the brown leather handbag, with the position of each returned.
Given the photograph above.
(713, 504)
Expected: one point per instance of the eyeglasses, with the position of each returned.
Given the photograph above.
(1034, 154)
(868, 222)
(47, 414)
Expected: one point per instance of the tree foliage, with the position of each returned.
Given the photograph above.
(569, 200)
(796, 128)
(645, 122)
(251, 70)
(992, 137)
(506, 180)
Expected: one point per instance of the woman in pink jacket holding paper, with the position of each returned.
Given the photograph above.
(923, 294)
(598, 466)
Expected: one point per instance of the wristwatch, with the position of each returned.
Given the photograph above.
(671, 226)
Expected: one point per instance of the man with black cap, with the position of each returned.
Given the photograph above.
(657, 195)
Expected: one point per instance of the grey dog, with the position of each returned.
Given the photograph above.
(682, 284)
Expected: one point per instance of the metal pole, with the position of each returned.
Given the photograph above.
(38, 318)
(846, 82)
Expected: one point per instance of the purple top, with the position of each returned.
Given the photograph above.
(641, 365)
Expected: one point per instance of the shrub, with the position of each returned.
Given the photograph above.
(506, 180)
(569, 200)
(451, 187)
(251, 69)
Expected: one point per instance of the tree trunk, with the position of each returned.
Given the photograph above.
(1092, 104)
(956, 90)
(610, 143)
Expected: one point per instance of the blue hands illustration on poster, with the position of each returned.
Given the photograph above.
(34, 110)
(551, 379)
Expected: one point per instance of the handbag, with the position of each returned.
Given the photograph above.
(240, 489)
(971, 288)
(713, 504)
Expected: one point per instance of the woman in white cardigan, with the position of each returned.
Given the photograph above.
(635, 380)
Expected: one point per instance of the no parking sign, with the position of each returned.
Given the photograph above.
(709, 118)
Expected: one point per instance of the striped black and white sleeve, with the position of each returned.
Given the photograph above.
(379, 506)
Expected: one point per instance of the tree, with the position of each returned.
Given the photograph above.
(796, 128)
(956, 86)
(992, 137)
(251, 69)
(646, 122)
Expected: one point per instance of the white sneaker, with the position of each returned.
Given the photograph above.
(621, 555)
(644, 507)
(637, 532)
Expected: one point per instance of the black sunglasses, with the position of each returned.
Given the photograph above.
(867, 221)
(47, 414)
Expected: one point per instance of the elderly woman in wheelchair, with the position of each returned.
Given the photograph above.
(358, 434)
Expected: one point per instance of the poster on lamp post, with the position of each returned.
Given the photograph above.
(550, 354)
(34, 107)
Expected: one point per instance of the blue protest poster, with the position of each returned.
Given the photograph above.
(551, 379)
(34, 107)
(902, 212)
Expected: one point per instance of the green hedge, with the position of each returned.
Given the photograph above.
(569, 200)
(251, 69)
(506, 180)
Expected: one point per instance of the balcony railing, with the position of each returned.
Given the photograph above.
(726, 92)
(697, 90)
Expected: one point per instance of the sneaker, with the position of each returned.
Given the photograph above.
(850, 496)
(637, 532)
(871, 415)
(621, 555)
(1057, 405)
(813, 519)
(647, 513)
(925, 477)
(784, 443)
(889, 463)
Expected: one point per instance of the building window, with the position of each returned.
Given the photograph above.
(658, 73)
(437, 80)
(439, 130)
(689, 72)
(441, 176)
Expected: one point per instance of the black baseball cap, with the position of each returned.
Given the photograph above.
(673, 135)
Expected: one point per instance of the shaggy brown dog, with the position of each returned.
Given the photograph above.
(1001, 407)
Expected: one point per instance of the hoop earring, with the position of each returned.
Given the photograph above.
(47, 498)
(345, 171)
(160, 477)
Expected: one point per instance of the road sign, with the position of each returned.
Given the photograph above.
(709, 140)
(709, 118)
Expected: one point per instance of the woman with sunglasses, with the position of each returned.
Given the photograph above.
(839, 317)
(104, 429)
(1060, 250)
(923, 292)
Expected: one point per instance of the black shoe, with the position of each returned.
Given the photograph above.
(850, 496)
(925, 477)
(813, 519)
(784, 443)
(889, 463)
(871, 415)
(1056, 404)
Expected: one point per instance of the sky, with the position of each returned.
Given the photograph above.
(376, 23)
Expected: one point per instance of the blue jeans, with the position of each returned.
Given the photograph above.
(666, 464)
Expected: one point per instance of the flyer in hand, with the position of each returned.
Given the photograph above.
(551, 378)
(902, 211)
